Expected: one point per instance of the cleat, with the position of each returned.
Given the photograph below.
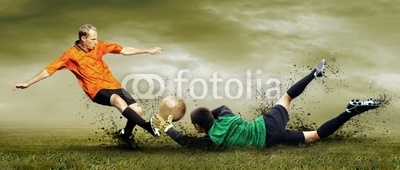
(156, 130)
(357, 107)
(128, 139)
(320, 69)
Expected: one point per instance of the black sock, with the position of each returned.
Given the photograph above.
(129, 127)
(131, 115)
(299, 86)
(329, 127)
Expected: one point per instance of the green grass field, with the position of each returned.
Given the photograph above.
(80, 148)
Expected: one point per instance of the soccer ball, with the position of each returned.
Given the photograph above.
(172, 105)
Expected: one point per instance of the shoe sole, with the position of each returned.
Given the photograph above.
(356, 105)
(320, 68)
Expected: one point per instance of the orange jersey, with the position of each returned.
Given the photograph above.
(89, 68)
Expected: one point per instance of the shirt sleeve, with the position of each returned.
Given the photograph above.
(221, 111)
(186, 141)
(111, 48)
(57, 64)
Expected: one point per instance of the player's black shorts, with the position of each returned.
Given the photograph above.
(104, 95)
(275, 122)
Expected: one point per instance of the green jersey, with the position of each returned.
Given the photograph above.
(232, 130)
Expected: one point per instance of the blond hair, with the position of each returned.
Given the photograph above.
(84, 30)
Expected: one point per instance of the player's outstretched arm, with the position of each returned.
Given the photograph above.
(183, 140)
(134, 51)
(40, 76)
(187, 141)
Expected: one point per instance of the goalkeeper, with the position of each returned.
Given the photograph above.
(223, 129)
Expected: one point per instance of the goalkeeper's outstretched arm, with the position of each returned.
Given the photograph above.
(190, 141)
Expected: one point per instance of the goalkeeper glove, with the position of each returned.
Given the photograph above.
(164, 125)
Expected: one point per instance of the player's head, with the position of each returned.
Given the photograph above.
(88, 36)
(202, 119)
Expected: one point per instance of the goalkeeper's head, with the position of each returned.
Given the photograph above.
(202, 119)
